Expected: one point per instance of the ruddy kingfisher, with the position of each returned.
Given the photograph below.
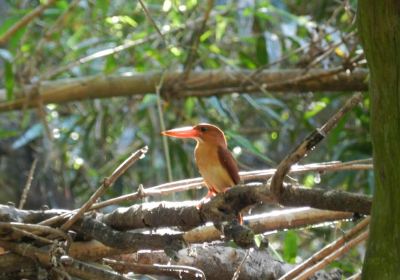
(214, 161)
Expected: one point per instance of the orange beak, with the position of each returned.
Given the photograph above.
(183, 132)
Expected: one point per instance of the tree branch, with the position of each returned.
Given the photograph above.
(198, 84)
(220, 262)
(108, 182)
(129, 240)
(309, 144)
(25, 21)
(225, 206)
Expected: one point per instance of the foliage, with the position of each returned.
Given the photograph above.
(81, 143)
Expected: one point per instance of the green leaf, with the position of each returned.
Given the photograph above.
(9, 80)
(110, 65)
(290, 246)
(189, 106)
(261, 51)
(315, 108)
(220, 29)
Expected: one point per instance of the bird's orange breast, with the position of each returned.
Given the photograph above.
(213, 171)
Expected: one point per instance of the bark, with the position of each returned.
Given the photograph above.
(199, 84)
(379, 26)
(219, 262)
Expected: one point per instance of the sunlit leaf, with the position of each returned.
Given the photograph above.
(315, 108)
(290, 247)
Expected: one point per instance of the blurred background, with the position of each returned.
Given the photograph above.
(78, 144)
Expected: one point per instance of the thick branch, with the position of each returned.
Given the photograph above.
(275, 220)
(129, 240)
(219, 262)
(225, 206)
(198, 84)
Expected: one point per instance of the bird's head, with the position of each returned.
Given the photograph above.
(202, 133)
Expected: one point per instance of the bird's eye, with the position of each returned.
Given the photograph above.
(203, 129)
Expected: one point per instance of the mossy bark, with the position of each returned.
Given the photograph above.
(379, 28)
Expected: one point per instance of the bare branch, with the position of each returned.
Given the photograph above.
(85, 270)
(129, 240)
(198, 84)
(346, 247)
(28, 184)
(176, 271)
(275, 220)
(307, 145)
(326, 251)
(25, 21)
(108, 182)
(225, 206)
(220, 262)
(246, 177)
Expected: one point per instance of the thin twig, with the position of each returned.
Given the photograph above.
(150, 18)
(22, 232)
(323, 263)
(162, 126)
(356, 276)
(327, 250)
(34, 228)
(27, 184)
(25, 21)
(239, 268)
(108, 182)
(309, 144)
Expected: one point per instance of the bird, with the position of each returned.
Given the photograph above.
(214, 161)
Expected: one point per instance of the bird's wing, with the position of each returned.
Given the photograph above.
(229, 163)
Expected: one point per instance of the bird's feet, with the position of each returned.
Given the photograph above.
(205, 199)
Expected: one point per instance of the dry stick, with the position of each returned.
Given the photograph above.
(311, 271)
(22, 232)
(36, 228)
(108, 182)
(84, 270)
(24, 21)
(239, 268)
(188, 184)
(75, 268)
(356, 276)
(176, 271)
(308, 144)
(27, 184)
(327, 250)
(275, 220)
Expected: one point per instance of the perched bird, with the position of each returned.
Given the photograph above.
(215, 162)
